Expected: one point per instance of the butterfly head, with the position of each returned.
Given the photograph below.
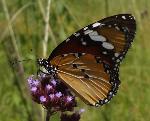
(49, 68)
(42, 62)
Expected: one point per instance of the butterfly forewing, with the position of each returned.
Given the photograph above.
(120, 31)
(118, 38)
(86, 77)
(108, 38)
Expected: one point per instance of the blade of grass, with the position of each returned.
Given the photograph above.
(137, 12)
(12, 51)
(13, 19)
(49, 26)
(71, 14)
(45, 41)
(106, 7)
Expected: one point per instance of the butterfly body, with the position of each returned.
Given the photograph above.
(88, 61)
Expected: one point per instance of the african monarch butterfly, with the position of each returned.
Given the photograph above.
(88, 61)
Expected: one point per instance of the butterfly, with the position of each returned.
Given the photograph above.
(88, 61)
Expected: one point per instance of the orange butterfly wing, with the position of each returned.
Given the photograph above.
(86, 76)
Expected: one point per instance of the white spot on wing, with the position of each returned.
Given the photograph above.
(115, 69)
(96, 24)
(107, 71)
(96, 37)
(124, 52)
(117, 28)
(123, 17)
(76, 55)
(65, 55)
(108, 45)
(106, 100)
(88, 31)
(85, 28)
(131, 17)
(76, 34)
(67, 39)
(93, 33)
(118, 60)
(121, 57)
(96, 104)
(116, 65)
(104, 52)
(116, 54)
(84, 43)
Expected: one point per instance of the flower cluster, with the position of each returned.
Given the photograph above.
(51, 93)
(72, 117)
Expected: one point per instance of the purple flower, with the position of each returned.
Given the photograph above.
(53, 82)
(51, 96)
(48, 87)
(35, 82)
(81, 111)
(30, 80)
(58, 94)
(33, 89)
(42, 75)
(69, 98)
(42, 99)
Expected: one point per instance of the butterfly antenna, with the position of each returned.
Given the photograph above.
(14, 62)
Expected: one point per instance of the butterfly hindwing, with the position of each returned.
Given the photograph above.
(87, 77)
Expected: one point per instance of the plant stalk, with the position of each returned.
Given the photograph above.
(48, 115)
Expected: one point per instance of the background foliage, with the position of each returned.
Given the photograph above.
(21, 37)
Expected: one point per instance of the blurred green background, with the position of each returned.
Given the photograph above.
(22, 31)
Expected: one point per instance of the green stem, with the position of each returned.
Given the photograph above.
(48, 115)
